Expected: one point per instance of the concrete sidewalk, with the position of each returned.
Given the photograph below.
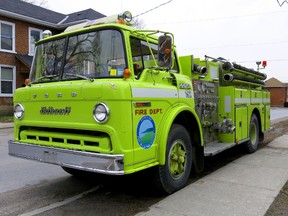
(6, 125)
(244, 187)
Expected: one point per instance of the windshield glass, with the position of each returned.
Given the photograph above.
(47, 61)
(90, 55)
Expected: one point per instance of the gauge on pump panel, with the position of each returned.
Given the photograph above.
(199, 88)
(203, 87)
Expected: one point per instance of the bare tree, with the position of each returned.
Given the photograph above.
(281, 2)
(137, 23)
(41, 3)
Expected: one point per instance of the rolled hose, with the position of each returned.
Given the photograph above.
(232, 77)
(199, 69)
(227, 66)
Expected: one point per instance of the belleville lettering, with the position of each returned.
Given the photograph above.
(53, 111)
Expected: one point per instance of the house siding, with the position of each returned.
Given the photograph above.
(9, 59)
(278, 96)
(50, 18)
(278, 92)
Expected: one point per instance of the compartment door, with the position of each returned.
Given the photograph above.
(242, 125)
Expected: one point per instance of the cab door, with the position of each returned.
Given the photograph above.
(152, 98)
(153, 94)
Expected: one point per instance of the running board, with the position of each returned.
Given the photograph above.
(215, 148)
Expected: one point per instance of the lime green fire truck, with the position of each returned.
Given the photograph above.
(105, 97)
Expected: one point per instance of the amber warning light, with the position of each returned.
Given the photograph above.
(27, 82)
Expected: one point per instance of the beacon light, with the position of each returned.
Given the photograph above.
(121, 18)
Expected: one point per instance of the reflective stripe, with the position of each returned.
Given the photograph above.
(266, 100)
(242, 100)
(227, 104)
(154, 93)
(256, 100)
(186, 93)
(253, 100)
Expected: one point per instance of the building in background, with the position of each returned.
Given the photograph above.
(278, 92)
(21, 25)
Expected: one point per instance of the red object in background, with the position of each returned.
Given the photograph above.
(264, 64)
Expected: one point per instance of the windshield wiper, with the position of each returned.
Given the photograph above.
(79, 76)
(47, 76)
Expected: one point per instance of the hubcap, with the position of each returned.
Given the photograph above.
(177, 159)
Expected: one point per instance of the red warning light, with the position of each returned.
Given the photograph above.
(264, 64)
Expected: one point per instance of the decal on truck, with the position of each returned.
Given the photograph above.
(146, 131)
(54, 111)
(145, 111)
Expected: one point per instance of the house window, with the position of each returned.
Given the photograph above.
(7, 32)
(7, 80)
(34, 36)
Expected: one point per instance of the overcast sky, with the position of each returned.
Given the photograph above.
(243, 31)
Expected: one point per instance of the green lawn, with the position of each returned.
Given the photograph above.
(6, 118)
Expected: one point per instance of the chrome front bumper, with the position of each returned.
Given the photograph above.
(87, 161)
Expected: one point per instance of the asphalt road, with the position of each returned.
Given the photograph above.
(277, 114)
(31, 188)
(17, 173)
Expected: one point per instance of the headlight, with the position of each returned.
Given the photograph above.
(101, 112)
(18, 111)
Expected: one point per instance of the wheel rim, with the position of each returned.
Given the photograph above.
(177, 159)
(253, 134)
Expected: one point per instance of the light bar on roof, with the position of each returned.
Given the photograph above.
(122, 18)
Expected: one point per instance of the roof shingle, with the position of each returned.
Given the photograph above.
(273, 82)
(18, 8)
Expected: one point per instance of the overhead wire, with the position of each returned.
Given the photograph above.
(153, 8)
(219, 18)
(268, 60)
(243, 45)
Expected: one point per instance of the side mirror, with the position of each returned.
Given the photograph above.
(165, 51)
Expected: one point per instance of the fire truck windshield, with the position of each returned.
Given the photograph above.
(96, 54)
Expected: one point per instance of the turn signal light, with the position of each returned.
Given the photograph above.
(167, 51)
(142, 104)
(27, 82)
(127, 73)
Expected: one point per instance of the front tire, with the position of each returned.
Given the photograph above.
(175, 173)
(252, 144)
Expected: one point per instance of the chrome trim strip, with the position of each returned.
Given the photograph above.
(87, 161)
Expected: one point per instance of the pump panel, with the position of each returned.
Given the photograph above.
(206, 100)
